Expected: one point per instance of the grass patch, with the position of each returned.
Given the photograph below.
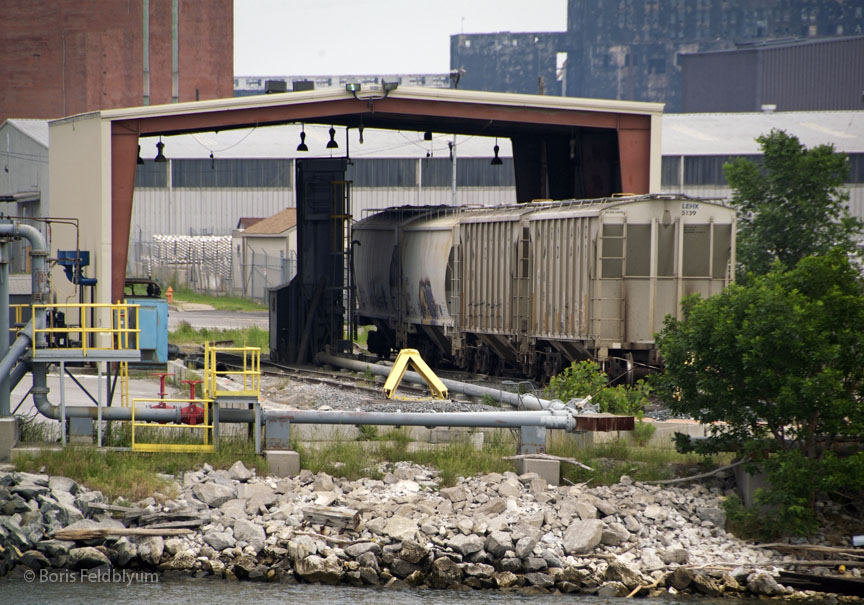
(612, 460)
(221, 303)
(353, 460)
(253, 336)
(134, 475)
(35, 431)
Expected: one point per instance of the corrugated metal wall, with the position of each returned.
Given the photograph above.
(25, 170)
(719, 82)
(821, 75)
(814, 75)
(193, 211)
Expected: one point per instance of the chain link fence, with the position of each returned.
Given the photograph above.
(263, 270)
(204, 263)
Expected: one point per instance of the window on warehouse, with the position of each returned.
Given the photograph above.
(437, 172)
(671, 171)
(856, 167)
(708, 169)
(479, 172)
(151, 174)
(231, 173)
(382, 172)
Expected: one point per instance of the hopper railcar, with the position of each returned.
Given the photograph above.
(531, 287)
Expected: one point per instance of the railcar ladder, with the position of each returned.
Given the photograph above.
(521, 311)
(455, 301)
(599, 301)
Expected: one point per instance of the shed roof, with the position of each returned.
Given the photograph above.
(35, 129)
(274, 225)
(735, 133)
(244, 222)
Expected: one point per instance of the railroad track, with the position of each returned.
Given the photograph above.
(372, 386)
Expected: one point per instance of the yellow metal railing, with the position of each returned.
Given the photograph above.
(246, 374)
(110, 326)
(124, 384)
(18, 320)
(176, 440)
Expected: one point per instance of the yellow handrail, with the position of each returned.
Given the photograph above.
(249, 377)
(17, 324)
(206, 427)
(119, 334)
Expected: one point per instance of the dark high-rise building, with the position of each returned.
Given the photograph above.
(508, 62)
(629, 49)
(62, 57)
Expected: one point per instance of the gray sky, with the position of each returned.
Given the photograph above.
(311, 37)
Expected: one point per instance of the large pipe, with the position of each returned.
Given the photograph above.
(18, 348)
(39, 289)
(4, 327)
(39, 255)
(518, 401)
(550, 419)
(18, 373)
(50, 410)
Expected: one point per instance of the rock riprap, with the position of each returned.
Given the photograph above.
(497, 531)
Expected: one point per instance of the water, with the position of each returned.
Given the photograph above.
(73, 589)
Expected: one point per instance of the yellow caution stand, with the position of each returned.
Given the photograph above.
(412, 356)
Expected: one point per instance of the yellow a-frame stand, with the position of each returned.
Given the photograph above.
(412, 356)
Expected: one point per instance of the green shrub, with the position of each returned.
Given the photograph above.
(643, 431)
(586, 379)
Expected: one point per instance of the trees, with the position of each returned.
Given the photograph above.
(777, 368)
(793, 206)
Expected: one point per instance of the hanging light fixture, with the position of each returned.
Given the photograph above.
(140, 159)
(360, 129)
(160, 157)
(427, 136)
(332, 144)
(302, 146)
(496, 161)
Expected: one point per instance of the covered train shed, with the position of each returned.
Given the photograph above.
(562, 148)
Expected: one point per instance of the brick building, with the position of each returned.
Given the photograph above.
(63, 57)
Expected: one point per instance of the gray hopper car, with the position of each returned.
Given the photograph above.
(532, 287)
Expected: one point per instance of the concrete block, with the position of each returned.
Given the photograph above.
(8, 437)
(547, 469)
(80, 430)
(748, 483)
(457, 435)
(283, 463)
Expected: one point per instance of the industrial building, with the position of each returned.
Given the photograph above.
(824, 74)
(245, 86)
(66, 57)
(631, 49)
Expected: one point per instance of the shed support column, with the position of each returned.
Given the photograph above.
(634, 148)
(124, 155)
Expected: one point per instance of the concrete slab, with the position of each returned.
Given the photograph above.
(282, 463)
(8, 437)
(547, 469)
